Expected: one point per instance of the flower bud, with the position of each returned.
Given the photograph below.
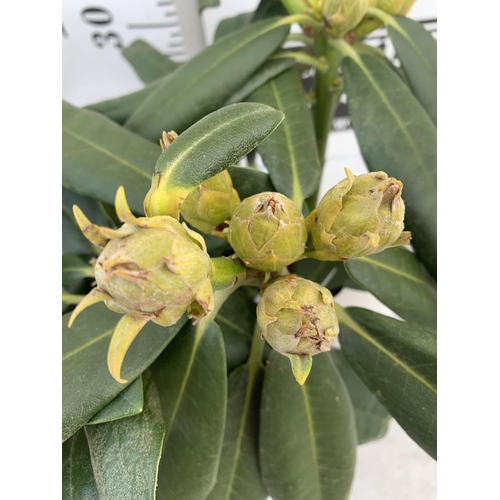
(150, 269)
(211, 204)
(359, 216)
(297, 318)
(267, 231)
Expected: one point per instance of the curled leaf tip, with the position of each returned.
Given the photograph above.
(301, 366)
(125, 332)
(91, 231)
(122, 209)
(95, 296)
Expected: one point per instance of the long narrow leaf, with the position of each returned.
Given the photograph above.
(397, 279)
(192, 384)
(126, 452)
(397, 361)
(307, 436)
(99, 156)
(290, 154)
(205, 82)
(396, 135)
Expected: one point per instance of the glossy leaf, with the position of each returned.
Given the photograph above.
(191, 379)
(267, 72)
(128, 403)
(77, 475)
(236, 320)
(148, 63)
(416, 49)
(370, 50)
(238, 477)
(401, 141)
(87, 386)
(269, 8)
(75, 269)
(232, 24)
(307, 435)
(121, 108)
(331, 275)
(206, 149)
(290, 154)
(397, 361)
(99, 156)
(249, 181)
(372, 419)
(398, 280)
(126, 452)
(207, 80)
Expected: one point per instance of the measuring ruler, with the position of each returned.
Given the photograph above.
(93, 34)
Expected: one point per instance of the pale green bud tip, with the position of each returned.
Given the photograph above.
(211, 205)
(150, 269)
(359, 216)
(297, 318)
(267, 231)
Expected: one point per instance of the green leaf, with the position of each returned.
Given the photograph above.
(121, 108)
(87, 386)
(307, 435)
(232, 24)
(128, 403)
(416, 49)
(269, 8)
(75, 269)
(207, 80)
(206, 149)
(99, 156)
(236, 319)
(331, 275)
(238, 476)
(92, 208)
(249, 181)
(397, 361)
(77, 475)
(267, 72)
(372, 419)
(148, 63)
(396, 134)
(290, 154)
(203, 4)
(398, 280)
(191, 380)
(363, 48)
(126, 452)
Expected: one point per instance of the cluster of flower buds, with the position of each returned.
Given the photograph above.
(156, 269)
(338, 16)
(150, 269)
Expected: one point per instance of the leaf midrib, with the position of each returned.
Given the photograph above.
(297, 195)
(353, 325)
(88, 344)
(106, 152)
(393, 270)
(403, 129)
(184, 90)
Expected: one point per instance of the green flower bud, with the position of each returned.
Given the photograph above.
(150, 269)
(394, 7)
(339, 16)
(359, 216)
(297, 318)
(211, 204)
(267, 231)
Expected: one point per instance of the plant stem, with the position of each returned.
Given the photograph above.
(300, 37)
(254, 362)
(301, 57)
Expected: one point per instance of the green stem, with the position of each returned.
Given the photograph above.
(232, 273)
(254, 362)
(301, 57)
